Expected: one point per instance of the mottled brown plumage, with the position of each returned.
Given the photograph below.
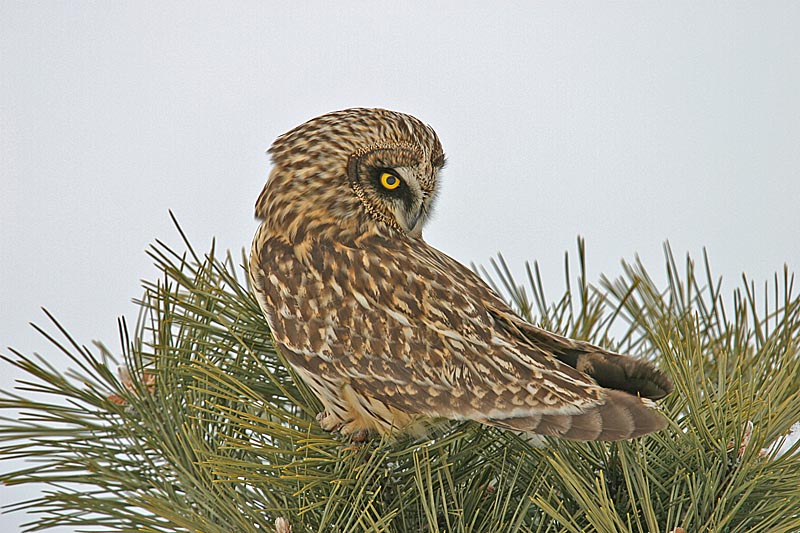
(388, 331)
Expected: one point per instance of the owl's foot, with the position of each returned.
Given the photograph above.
(358, 439)
(329, 422)
(356, 433)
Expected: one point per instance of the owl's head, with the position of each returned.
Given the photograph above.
(353, 170)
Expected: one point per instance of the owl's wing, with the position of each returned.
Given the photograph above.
(420, 332)
(610, 370)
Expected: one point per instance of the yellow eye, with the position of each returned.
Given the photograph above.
(390, 181)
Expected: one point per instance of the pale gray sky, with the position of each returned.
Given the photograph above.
(628, 123)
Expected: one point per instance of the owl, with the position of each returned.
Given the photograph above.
(389, 332)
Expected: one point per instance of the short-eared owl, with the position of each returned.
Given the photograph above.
(387, 330)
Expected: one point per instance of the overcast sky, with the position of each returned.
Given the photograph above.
(629, 123)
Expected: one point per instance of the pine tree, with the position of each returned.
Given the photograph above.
(198, 426)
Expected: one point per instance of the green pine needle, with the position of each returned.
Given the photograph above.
(207, 431)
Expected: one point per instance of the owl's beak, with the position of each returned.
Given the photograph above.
(414, 220)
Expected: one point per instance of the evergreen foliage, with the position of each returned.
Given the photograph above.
(205, 430)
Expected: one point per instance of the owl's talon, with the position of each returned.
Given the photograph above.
(360, 436)
(358, 439)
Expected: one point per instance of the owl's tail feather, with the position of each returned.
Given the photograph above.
(617, 371)
(622, 416)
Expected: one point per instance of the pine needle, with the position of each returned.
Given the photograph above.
(196, 424)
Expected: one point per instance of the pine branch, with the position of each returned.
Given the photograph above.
(197, 425)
